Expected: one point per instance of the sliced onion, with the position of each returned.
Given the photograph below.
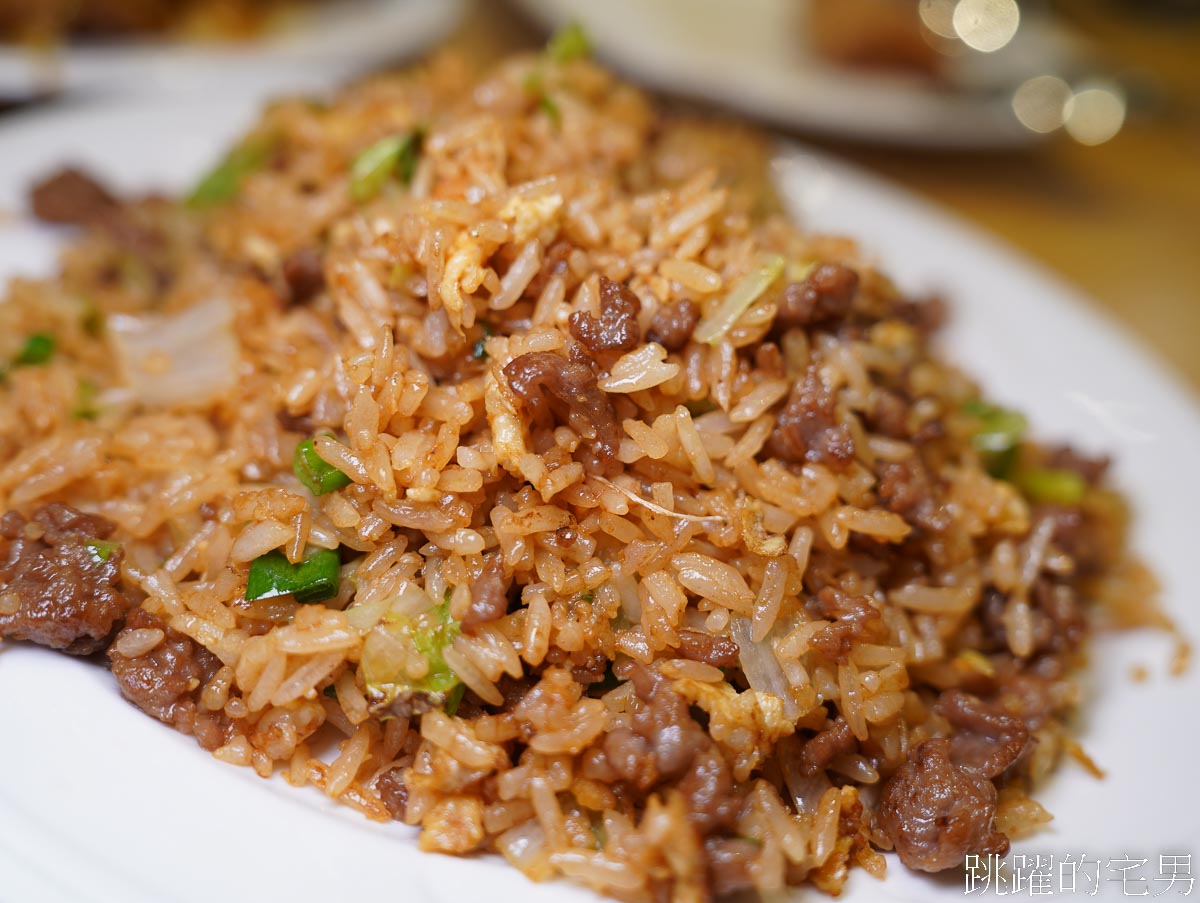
(741, 296)
(185, 359)
(761, 667)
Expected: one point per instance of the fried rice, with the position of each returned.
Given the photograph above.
(489, 453)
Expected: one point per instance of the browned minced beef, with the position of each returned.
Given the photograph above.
(889, 414)
(663, 736)
(808, 429)
(617, 327)
(707, 788)
(1064, 457)
(731, 863)
(927, 316)
(304, 274)
(905, 488)
(704, 647)
(540, 376)
(824, 296)
(67, 592)
(936, 812)
(673, 324)
(664, 744)
(856, 620)
(555, 263)
(827, 745)
(166, 681)
(71, 197)
(393, 791)
(987, 739)
(489, 594)
(1059, 624)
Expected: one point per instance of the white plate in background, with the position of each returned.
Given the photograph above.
(752, 56)
(99, 802)
(313, 49)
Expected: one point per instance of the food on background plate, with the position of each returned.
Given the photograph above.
(37, 21)
(500, 427)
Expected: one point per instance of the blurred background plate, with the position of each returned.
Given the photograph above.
(100, 803)
(833, 66)
(315, 47)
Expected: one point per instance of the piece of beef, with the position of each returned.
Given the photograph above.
(540, 377)
(393, 791)
(64, 582)
(166, 681)
(719, 651)
(827, 745)
(617, 327)
(936, 812)
(304, 274)
(489, 594)
(987, 739)
(673, 324)
(823, 297)
(856, 620)
(808, 428)
(71, 197)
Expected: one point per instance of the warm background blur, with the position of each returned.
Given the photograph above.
(1121, 219)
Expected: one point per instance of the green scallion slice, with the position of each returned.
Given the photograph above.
(552, 110)
(568, 43)
(998, 437)
(85, 401)
(1052, 486)
(101, 549)
(315, 472)
(225, 181)
(38, 349)
(454, 697)
(392, 156)
(314, 579)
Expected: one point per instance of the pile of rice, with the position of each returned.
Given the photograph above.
(689, 593)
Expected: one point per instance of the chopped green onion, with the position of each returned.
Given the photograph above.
(92, 319)
(315, 472)
(38, 349)
(101, 549)
(330, 692)
(744, 293)
(314, 579)
(588, 597)
(1051, 486)
(454, 697)
(85, 401)
(552, 110)
(598, 833)
(479, 349)
(430, 632)
(395, 155)
(999, 435)
(225, 181)
(569, 43)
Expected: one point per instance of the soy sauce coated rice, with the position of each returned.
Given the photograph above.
(671, 556)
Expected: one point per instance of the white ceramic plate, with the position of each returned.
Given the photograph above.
(313, 49)
(752, 56)
(99, 802)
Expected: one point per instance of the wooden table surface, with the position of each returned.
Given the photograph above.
(1120, 220)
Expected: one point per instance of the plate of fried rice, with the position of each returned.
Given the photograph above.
(497, 484)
